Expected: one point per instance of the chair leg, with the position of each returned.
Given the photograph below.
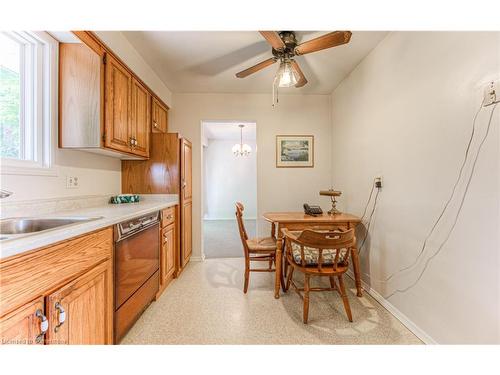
(247, 275)
(281, 271)
(306, 298)
(332, 282)
(289, 278)
(343, 294)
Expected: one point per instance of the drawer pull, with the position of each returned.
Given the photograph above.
(61, 317)
(44, 325)
(170, 217)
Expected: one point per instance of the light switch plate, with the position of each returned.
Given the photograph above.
(492, 93)
(72, 182)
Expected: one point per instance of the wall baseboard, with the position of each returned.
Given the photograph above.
(407, 322)
(197, 258)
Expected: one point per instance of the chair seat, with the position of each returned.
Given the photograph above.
(262, 244)
(311, 255)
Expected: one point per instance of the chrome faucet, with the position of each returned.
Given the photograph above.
(5, 193)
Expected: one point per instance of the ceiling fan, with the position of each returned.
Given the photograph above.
(285, 48)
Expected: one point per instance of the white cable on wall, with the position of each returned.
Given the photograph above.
(440, 216)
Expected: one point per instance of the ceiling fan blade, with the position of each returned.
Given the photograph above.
(329, 40)
(302, 80)
(256, 68)
(273, 39)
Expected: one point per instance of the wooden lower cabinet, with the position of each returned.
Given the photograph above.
(169, 247)
(168, 253)
(24, 325)
(65, 289)
(81, 311)
(187, 232)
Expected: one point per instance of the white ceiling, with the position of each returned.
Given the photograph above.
(229, 130)
(207, 61)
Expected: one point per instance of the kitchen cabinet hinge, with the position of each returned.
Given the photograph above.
(104, 59)
(104, 137)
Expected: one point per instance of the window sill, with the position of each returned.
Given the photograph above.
(28, 171)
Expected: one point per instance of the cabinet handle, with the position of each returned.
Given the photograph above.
(44, 325)
(61, 317)
(169, 217)
(155, 124)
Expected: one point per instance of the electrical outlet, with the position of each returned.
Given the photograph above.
(492, 93)
(72, 182)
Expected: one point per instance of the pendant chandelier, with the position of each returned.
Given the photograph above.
(241, 149)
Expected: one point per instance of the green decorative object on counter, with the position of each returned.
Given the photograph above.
(125, 198)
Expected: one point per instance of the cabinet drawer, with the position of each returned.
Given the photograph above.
(31, 275)
(168, 216)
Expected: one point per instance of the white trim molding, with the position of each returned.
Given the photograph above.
(407, 322)
(197, 258)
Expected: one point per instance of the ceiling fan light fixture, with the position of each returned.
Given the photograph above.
(286, 75)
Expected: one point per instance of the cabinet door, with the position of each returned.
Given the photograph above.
(186, 200)
(24, 325)
(141, 112)
(81, 312)
(117, 93)
(167, 253)
(187, 232)
(160, 117)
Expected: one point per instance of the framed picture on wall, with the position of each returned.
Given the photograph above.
(294, 151)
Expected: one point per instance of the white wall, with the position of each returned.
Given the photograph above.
(97, 174)
(229, 179)
(123, 49)
(405, 112)
(278, 189)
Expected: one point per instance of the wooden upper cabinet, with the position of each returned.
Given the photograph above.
(141, 117)
(81, 311)
(103, 106)
(117, 94)
(159, 123)
(24, 325)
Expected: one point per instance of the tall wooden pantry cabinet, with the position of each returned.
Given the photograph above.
(168, 171)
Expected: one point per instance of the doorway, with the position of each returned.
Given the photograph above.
(229, 176)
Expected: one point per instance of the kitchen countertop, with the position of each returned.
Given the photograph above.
(110, 214)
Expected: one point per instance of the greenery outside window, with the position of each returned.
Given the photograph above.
(28, 96)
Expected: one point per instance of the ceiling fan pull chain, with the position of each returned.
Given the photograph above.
(275, 91)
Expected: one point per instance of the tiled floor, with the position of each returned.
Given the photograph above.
(206, 305)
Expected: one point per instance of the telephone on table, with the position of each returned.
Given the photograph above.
(312, 210)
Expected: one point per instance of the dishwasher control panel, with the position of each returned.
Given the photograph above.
(130, 227)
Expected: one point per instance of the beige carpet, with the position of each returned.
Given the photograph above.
(206, 305)
(221, 238)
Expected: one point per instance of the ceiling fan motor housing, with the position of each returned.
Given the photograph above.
(290, 42)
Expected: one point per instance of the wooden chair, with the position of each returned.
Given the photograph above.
(319, 254)
(255, 249)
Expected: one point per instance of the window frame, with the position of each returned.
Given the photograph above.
(38, 112)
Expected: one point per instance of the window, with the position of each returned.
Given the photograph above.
(28, 78)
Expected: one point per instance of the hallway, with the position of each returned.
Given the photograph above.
(221, 238)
